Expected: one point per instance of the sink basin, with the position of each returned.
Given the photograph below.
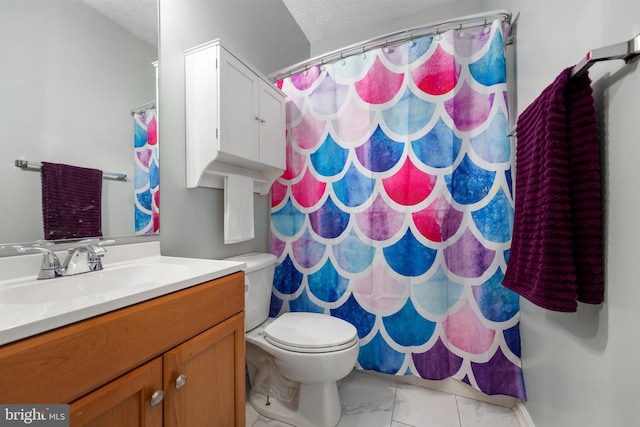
(132, 273)
(93, 286)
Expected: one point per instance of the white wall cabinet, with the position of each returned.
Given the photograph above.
(235, 120)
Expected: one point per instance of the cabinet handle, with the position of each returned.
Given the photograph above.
(156, 398)
(181, 381)
(260, 119)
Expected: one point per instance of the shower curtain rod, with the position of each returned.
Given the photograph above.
(470, 21)
(144, 107)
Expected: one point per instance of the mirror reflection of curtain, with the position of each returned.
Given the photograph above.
(396, 208)
(146, 173)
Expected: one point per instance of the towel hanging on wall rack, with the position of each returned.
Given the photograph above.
(628, 51)
(25, 164)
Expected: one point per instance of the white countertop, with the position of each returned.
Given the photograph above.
(23, 317)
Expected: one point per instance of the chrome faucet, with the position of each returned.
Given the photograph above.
(83, 258)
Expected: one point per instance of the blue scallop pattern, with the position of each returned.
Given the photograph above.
(139, 135)
(287, 279)
(353, 255)
(438, 294)
(469, 183)
(329, 221)
(378, 355)
(419, 47)
(303, 303)
(144, 199)
(407, 327)
(380, 153)
(491, 68)
(496, 302)
(488, 219)
(512, 338)
(493, 145)
(354, 188)
(409, 257)
(330, 158)
(326, 284)
(141, 218)
(288, 220)
(439, 148)
(409, 115)
(353, 313)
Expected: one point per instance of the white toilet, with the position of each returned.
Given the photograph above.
(295, 360)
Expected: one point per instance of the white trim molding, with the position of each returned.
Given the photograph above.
(522, 415)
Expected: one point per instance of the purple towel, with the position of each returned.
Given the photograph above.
(556, 250)
(71, 201)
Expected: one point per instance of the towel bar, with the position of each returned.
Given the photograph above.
(25, 164)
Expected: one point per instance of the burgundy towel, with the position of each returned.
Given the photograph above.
(556, 249)
(71, 201)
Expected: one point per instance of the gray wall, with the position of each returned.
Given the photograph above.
(264, 34)
(68, 82)
(580, 369)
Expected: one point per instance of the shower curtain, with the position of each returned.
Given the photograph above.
(396, 208)
(146, 173)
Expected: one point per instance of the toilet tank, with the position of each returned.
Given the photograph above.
(257, 286)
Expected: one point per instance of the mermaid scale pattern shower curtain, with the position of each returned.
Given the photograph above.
(396, 208)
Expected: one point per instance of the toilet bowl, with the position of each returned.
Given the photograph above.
(295, 360)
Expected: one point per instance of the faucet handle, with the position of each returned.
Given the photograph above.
(50, 266)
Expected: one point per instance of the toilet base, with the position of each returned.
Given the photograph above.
(318, 405)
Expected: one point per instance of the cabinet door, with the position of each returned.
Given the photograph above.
(204, 378)
(124, 402)
(239, 122)
(272, 127)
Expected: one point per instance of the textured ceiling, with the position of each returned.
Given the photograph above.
(319, 19)
(140, 17)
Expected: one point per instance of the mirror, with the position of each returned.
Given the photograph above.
(69, 82)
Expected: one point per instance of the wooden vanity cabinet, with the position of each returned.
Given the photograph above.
(187, 346)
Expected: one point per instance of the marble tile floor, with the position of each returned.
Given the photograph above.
(370, 401)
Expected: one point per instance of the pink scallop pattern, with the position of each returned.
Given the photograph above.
(438, 75)
(398, 235)
(307, 134)
(380, 84)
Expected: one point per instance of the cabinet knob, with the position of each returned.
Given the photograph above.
(181, 381)
(156, 398)
(260, 119)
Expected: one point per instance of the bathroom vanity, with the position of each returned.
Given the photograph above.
(174, 359)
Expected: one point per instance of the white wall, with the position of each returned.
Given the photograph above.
(68, 82)
(264, 34)
(580, 368)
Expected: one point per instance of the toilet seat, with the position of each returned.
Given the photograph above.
(310, 333)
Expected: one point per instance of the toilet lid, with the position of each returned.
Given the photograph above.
(310, 333)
